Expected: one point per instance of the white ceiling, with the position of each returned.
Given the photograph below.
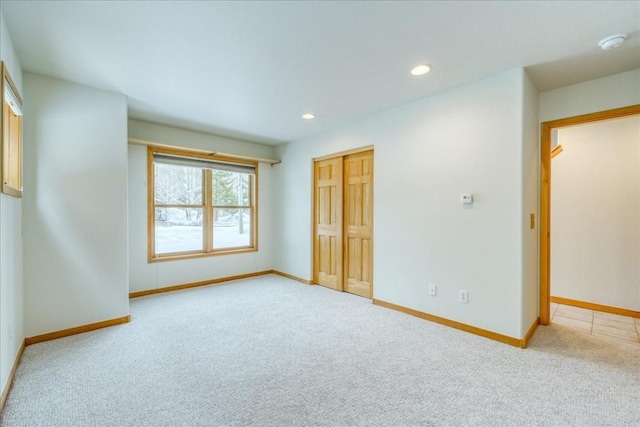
(249, 70)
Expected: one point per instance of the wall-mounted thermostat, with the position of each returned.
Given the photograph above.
(467, 198)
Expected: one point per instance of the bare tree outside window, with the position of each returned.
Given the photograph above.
(230, 206)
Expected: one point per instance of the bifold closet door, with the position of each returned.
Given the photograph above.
(327, 243)
(358, 223)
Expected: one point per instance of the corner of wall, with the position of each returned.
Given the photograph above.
(530, 204)
(75, 260)
(11, 258)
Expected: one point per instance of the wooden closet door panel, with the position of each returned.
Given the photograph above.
(327, 269)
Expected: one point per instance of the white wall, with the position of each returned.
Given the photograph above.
(166, 135)
(619, 90)
(75, 205)
(595, 213)
(11, 278)
(426, 154)
(144, 275)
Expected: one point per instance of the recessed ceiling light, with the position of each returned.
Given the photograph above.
(421, 69)
(612, 42)
(308, 116)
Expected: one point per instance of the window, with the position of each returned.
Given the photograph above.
(200, 204)
(11, 137)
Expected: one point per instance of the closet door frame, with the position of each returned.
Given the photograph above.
(314, 218)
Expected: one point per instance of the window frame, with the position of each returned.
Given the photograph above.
(206, 205)
(10, 141)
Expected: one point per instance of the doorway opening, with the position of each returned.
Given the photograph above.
(548, 130)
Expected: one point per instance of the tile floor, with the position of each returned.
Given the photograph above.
(597, 323)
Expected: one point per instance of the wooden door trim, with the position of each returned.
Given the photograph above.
(314, 225)
(546, 129)
(343, 153)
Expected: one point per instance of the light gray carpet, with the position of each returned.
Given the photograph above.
(268, 351)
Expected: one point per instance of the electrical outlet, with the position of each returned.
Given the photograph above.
(433, 290)
(463, 296)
